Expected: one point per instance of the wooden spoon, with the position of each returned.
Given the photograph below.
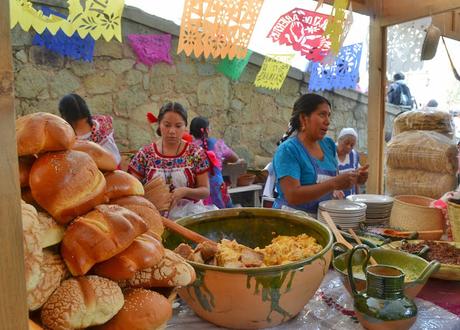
(185, 232)
(358, 240)
(337, 234)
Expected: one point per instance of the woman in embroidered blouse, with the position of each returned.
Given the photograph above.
(218, 153)
(96, 128)
(182, 165)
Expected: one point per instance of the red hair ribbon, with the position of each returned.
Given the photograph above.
(151, 118)
(213, 159)
(187, 137)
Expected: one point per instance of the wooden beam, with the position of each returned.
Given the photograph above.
(13, 303)
(399, 11)
(376, 106)
(449, 24)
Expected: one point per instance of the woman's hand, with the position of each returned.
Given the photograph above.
(178, 194)
(363, 174)
(345, 180)
(338, 194)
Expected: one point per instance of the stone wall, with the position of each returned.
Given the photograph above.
(250, 119)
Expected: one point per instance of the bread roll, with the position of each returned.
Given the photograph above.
(51, 231)
(54, 272)
(25, 164)
(34, 326)
(98, 236)
(27, 197)
(145, 209)
(82, 302)
(172, 271)
(120, 184)
(33, 254)
(41, 132)
(105, 161)
(67, 184)
(143, 310)
(157, 192)
(144, 252)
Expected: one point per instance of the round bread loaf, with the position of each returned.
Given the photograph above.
(51, 231)
(105, 161)
(120, 184)
(25, 164)
(145, 209)
(82, 302)
(54, 272)
(144, 252)
(41, 132)
(34, 326)
(67, 184)
(143, 310)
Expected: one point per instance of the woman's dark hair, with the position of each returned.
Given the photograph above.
(198, 128)
(174, 107)
(72, 108)
(306, 104)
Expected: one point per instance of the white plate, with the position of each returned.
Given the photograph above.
(370, 198)
(342, 205)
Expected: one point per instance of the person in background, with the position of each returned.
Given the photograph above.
(218, 153)
(432, 104)
(181, 164)
(96, 128)
(399, 93)
(347, 157)
(305, 162)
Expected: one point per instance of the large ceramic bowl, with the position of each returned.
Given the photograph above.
(417, 268)
(256, 297)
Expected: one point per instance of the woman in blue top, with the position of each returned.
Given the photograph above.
(347, 157)
(305, 163)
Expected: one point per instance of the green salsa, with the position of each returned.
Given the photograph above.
(359, 274)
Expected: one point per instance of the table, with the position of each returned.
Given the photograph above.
(332, 308)
(254, 188)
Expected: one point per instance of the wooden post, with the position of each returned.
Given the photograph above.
(376, 105)
(13, 305)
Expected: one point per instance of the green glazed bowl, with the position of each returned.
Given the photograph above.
(417, 268)
(253, 298)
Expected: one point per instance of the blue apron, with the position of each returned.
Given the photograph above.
(321, 175)
(348, 167)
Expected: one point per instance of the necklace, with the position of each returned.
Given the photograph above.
(168, 172)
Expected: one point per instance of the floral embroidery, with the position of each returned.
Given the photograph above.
(102, 128)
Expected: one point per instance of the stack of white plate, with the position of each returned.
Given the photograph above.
(378, 207)
(344, 213)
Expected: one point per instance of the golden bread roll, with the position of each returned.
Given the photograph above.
(172, 271)
(157, 192)
(25, 164)
(144, 252)
(145, 209)
(34, 326)
(33, 254)
(82, 302)
(54, 272)
(143, 310)
(98, 236)
(41, 132)
(120, 184)
(67, 184)
(26, 195)
(104, 160)
(51, 231)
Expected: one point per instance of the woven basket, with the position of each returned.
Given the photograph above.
(412, 212)
(454, 218)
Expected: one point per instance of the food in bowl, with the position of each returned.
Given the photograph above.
(359, 274)
(443, 252)
(231, 254)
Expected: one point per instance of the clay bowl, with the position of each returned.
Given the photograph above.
(417, 268)
(245, 179)
(253, 298)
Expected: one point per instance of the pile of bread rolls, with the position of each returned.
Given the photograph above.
(92, 241)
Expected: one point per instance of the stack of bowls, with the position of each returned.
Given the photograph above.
(344, 213)
(378, 207)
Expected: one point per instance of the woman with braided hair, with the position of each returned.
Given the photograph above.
(218, 153)
(305, 162)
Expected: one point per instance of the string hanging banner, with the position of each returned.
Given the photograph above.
(303, 30)
(274, 71)
(151, 48)
(96, 18)
(343, 74)
(218, 27)
(233, 68)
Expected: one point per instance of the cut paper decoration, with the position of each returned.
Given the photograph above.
(303, 30)
(336, 24)
(233, 68)
(73, 47)
(343, 74)
(96, 17)
(404, 44)
(218, 27)
(151, 48)
(274, 71)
